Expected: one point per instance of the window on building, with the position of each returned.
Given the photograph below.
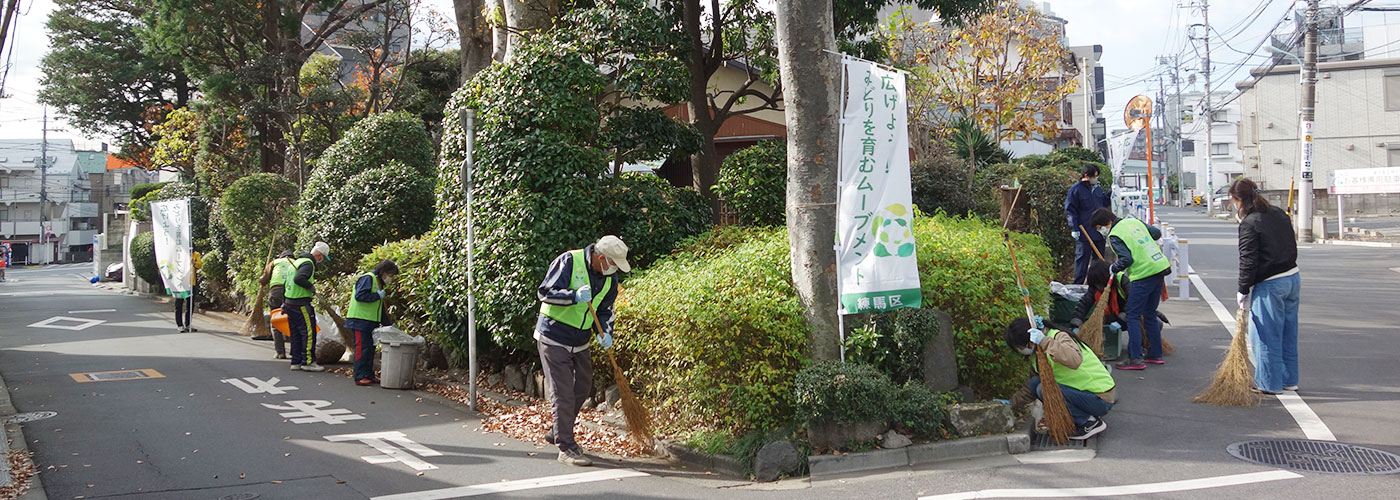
(1219, 116)
(1393, 156)
(1188, 148)
(1220, 148)
(4, 215)
(1392, 92)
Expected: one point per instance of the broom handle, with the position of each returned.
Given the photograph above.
(1091, 242)
(1025, 295)
(598, 329)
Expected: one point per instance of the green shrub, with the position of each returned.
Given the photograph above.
(917, 410)
(842, 393)
(1043, 189)
(753, 182)
(714, 333)
(942, 182)
(893, 342)
(143, 259)
(140, 190)
(371, 186)
(408, 296)
(256, 212)
(965, 271)
(651, 215)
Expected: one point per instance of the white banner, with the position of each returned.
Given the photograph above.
(1119, 148)
(170, 220)
(1365, 181)
(875, 256)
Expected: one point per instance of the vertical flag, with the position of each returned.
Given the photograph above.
(170, 220)
(875, 258)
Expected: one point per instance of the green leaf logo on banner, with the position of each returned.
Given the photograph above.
(893, 229)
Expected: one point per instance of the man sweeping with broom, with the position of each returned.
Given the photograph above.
(575, 280)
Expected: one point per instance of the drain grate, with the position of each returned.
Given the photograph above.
(239, 496)
(1042, 441)
(20, 418)
(1326, 457)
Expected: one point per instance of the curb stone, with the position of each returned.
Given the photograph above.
(941, 451)
(15, 433)
(723, 464)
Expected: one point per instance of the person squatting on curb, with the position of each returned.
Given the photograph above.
(367, 312)
(1087, 385)
(1134, 245)
(301, 315)
(1270, 288)
(563, 332)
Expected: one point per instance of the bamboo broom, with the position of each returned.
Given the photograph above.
(638, 419)
(1231, 386)
(1091, 331)
(1057, 418)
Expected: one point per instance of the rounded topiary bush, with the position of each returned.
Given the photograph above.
(753, 182)
(714, 332)
(651, 215)
(257, 213)
(143, 259)
(373, 185)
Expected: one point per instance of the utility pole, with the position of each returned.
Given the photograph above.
(1180, 153)
(1162, 124)
(1306, 114)
(44, 185)
(1210, 117)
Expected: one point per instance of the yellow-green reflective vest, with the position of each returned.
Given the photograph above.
(295, 291)
(368, 311)
(577, 315)
(1091, 376)
(1147, 256)
(282, 271)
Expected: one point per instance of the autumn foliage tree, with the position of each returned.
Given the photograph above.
(1007, 68)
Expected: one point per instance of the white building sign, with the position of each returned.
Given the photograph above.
(1365, 181)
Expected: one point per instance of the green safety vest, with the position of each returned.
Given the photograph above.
(1147, 256)
(295, 291)
(1091, 376)
(368, 311)
(577, 315)
(282, 271)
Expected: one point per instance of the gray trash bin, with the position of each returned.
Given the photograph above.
(398, 357)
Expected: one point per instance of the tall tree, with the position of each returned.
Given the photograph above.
(737, 34)
(476, 35)
(1007, 69)
(856, 22)
(99, 75)
(526, 17)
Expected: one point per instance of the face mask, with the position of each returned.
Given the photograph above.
(1104, 231)
(1027, 351)
(388, 280)
(609, 269)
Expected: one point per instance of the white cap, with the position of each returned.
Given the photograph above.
(614, 249)
(322, 248)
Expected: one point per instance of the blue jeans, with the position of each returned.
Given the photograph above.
(1273, 328)
(1082, 404)
(364, 355)
(1144, 296)
(1084, 253)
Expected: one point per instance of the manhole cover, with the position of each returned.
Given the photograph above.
(1043, 442)
(1317, 456)
(239, 496)
(20, 418)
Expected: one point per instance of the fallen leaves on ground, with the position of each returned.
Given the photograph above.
(22, 471)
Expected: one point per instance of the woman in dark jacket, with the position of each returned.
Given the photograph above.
(1270, 288)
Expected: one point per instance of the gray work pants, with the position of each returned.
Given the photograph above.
(570, 379)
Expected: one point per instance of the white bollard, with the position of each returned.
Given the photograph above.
(1183, 270)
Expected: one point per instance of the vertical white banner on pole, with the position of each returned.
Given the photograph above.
(1305, 128)
(875, 256)
(170, 220)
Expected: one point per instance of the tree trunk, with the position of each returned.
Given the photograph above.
(500, 38)
(704, 164)
(811, 89)
(524, 16)
(475, 34)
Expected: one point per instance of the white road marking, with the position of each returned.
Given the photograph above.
(518, 485)
(1127, 489)
(90, 311)
(306, 411)
(1055, 456)
(380, 441)
(254, 385)
(1396, 269)
(1307, 419)
(82, 323)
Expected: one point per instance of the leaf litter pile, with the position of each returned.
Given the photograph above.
(22, 471)
(530, 421)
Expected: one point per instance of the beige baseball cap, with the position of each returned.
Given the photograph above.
(614, 249)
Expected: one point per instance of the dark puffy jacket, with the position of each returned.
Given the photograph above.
(1081, 202)
(1267, 247)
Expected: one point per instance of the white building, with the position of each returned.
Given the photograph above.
(45, 216)
(1221, 154)
(1084, 109)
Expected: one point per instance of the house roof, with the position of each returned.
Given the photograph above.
(114, 163)
(92, 162)
(15, 151)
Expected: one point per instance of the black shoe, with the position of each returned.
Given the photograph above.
(1089, 429)
(549, 436)
(263, 337)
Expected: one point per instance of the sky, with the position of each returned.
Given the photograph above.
(1132, 32)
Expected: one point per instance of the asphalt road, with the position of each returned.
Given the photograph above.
(189, 435)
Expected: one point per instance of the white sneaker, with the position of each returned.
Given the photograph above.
(296, 367)
(1290, 388)
(313, 367)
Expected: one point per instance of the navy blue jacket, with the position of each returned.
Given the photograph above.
(1081, 202)
(556, 290)
(364, 292)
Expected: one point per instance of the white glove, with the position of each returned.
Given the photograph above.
(584, 294)
(1243, 299)
(1037, 336)
(382, 293)
(1075, 234)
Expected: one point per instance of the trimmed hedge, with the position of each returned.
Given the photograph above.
(714, 333)
(851, 393)
(753, 182)
(408, 296)
(140, 190)
(253, 210)
(651, 215)
(143, 259)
